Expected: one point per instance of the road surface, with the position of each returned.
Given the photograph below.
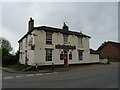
(95, 77)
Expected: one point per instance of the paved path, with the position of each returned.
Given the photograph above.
(95, 77)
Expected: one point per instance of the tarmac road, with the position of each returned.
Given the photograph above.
(94, 77)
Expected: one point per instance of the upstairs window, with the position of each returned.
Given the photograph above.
(80, 43)
(48, 38)
(31, 41)
(65, 39)
(21, 45)
(26, 42)
(80, 55)
(32, 47)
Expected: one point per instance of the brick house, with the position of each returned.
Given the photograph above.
(110, 50)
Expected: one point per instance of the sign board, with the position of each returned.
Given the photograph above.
(65, 47)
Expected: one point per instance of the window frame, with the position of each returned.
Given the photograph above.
(65, 38)
(48, 55)
(21, 43)
(80, 41)
(20, 55)
(70, 56)
(26, 42)
(30, 41)
(48, 38)
(80, 55)
(61, 56)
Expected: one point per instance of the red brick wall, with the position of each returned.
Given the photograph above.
(109, 50)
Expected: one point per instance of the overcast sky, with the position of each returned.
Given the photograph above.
(96, 19)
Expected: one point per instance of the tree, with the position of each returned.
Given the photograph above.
(6, 57)
(5, 48)
(4, 43)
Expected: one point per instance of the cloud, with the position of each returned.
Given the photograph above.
(97, 19)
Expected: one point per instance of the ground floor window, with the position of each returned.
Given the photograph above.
(80, 55)
(61, 56)
(21, 55)
(48, 55)
(70, 56)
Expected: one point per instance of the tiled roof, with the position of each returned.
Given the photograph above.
(93, 52)
(57, 30)
(46, 28)
(116, 44)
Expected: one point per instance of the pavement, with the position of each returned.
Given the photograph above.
(57, 69)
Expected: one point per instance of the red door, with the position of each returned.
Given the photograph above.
(65, 60)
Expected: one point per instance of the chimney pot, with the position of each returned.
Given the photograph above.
(30, 24)
(65, 27)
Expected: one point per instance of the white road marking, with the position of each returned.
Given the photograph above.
(28, 75)
(55, 72)
(18, 76)
(38, 74)
(8, 77)
(47, 73)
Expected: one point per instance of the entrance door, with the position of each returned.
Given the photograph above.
(65, 58)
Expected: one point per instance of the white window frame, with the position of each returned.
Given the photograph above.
(80, 55)
(48, 38)
(48, 55)
(21, 45)
(26, 42)
(65, 39)
(20, 55)
(31, 41)
(80, 41)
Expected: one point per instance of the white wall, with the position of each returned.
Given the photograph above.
(23, 48)
(94, 58)
(40, 45)
(39, 53)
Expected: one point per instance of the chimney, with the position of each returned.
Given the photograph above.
(30, 24)
(65, 27)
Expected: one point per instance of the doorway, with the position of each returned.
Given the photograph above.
(65, 58)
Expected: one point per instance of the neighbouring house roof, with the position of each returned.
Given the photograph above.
(93, 52)
(116, 44)
(57, 30)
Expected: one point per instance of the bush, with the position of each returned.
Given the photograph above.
(9, 60)
(108, 62)
(114, 59)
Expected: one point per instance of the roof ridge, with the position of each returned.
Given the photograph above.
(114, 42)
(47, 27)
(59, 29)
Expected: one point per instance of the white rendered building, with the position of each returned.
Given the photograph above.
(46, 45)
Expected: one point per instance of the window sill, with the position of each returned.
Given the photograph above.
(49, 44)
(80, 46)
(80, 60)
